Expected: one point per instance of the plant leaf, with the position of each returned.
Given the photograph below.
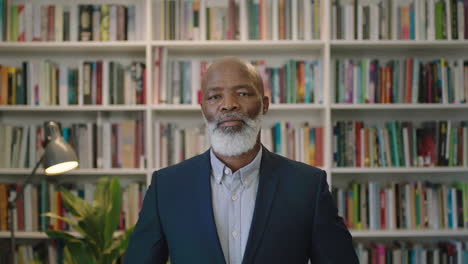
(112, 217)
(77, 247)
(72, 223)
(119, 245)
(78, 207)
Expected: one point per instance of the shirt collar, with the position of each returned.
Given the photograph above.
(219, 169)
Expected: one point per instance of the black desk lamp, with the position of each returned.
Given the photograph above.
(59, 157)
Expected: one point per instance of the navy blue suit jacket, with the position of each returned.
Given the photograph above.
(294, 220)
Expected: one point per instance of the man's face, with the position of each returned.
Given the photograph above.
(233, 109)
(230, 90)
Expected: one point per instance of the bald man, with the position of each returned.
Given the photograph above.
(238, 202)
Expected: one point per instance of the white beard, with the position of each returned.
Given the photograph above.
(233, 141)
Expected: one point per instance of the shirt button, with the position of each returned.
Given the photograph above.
(234, 197)
(226, 171)
(234, 234)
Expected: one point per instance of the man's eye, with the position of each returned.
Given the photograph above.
(243, 94)
(214, 97)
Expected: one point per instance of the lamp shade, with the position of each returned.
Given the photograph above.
(59, 156)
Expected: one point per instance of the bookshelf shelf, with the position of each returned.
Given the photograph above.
(237, 45)
(458, 233)
(38, 235)
(74, 108)
(81, 172)
(274, 107)
(405, 170)
(397, 106)
(390, 45)
(72, 46)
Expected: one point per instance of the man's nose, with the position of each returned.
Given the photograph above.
(229, 104)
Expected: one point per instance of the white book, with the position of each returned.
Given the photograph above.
(359, 22)
(164, 150)
(106, 143)
(406, 147)
(448, 17)
(24, 147)
(202, 21)
(90, 147)
(99, 142)
(140, 19)
(36, 13)
(74, 22)
(105, 82)
(422, 20)
(58, 20)
(349, 20)
(431, 20)
(96, 22)
(131, 30)
(163, 89)
(374, 22)
(294, 19)
(89, 192)
(157, 143)
(27, 212)
(444, 81)
(297, 150)
(196, 81)
(113, 22)
(333, 34)
(63, 85)
(32, 82)
(461, 20)
(372, 207)
(32, 146)
(28, 21)
(275, 25)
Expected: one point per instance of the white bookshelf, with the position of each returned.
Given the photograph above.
(323, 114)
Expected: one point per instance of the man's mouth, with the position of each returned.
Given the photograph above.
(230, 122)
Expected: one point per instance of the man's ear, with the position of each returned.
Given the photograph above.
(266, 104)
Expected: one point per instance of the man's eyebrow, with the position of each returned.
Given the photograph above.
(213, 89)
(243, 86)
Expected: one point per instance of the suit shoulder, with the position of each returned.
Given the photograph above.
(295, 165)
(176, 169)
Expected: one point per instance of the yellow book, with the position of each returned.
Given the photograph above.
(305, 130)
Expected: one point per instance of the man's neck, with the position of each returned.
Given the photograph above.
(237, 162)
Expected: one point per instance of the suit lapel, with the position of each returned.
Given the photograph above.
(203, 199)
(266, 189)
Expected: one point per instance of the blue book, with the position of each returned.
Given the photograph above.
(276, 85)
(277, 137)
(449, 208)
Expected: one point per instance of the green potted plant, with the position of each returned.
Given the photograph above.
(95, 224)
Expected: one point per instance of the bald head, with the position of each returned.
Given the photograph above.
(232, 63)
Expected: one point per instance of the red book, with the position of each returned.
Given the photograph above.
(51, 23)
(99, 82)
(203, 68)
(382, 209)
(281, 84)
(143, 91)
(20, 209)
(409, 80)
(22, 34)
(357, 136)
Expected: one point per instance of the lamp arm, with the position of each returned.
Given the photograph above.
(12, 206)
(28, 179)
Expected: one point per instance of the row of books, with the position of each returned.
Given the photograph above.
(221, 20)
(295, 81)
(71, 22)
(299, 142)
(400, 20)
(411, 80)
(414, 205)
(400, 144)
(282, 19)
(97, 145)
(401, 252)
(42, 252)
(46, 197)
(89, 83)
